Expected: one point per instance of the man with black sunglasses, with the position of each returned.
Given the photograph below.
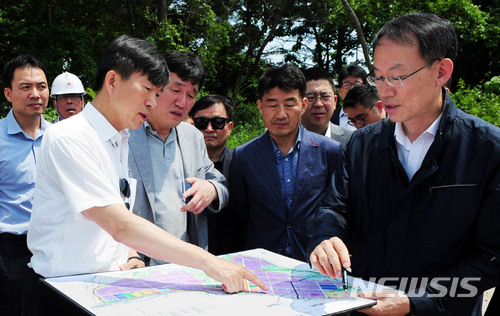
(213, 115)
(176, 181)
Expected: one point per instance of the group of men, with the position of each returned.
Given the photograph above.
(412, 197)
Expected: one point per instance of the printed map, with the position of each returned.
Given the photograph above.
(175, 290)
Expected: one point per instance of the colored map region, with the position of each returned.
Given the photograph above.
(173, 290)
(286, 282)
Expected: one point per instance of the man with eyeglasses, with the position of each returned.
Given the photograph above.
(213, 116)
(176, 180)
(420, 208)
(68, 93)
(321, 103)
(277, 179)
(363, 106)
(80, 223)
(349, 77)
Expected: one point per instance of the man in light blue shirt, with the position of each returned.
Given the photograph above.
(21, 134)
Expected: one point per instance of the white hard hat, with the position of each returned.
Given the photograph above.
(66, 83)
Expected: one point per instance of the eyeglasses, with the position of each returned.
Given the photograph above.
(125, 191)
(325, 97)
(217, 122)
(359, 120)
(393, 81)
(74, 97)
(349, 85)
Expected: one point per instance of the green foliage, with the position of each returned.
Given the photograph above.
(483, 102)
(50, 113)
(243, 133)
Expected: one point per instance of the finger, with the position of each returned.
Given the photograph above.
(191, 180)
(316, 264)
(255, 280)
(342, 252)
(329, 259)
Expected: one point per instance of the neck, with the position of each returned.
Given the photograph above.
(215, 153)
(29, 124)
(286, 143)
(162, 132)
(103, 105)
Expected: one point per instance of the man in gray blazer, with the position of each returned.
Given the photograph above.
(176, 181)
(320, 93)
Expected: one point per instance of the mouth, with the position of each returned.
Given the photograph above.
(390, 108)
(144, 116)
(318, 115)
(35, 105)
(176, 114)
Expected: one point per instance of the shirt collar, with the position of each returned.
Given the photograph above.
(403, 139)
(13, 126)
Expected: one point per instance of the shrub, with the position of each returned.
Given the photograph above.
(483, 102)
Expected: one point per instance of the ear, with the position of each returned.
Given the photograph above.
(259, 104)
(229, 128)
(379, 105)
(335, 99)
(304, 105)
(445, 69)
(7, 92)
(112, 77)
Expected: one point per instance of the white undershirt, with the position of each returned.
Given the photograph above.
(412, 154)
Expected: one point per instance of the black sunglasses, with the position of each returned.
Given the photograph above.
(125, 190)
(218, 122)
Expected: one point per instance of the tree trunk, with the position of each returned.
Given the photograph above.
(361, 35)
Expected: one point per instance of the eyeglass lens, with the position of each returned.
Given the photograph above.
(216, 122)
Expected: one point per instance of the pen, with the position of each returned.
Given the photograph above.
(344, 278)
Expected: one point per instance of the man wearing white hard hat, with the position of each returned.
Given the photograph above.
(67, 91)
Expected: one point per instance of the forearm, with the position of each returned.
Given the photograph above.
(147, 238)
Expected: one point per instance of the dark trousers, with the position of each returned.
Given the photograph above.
(14, 257)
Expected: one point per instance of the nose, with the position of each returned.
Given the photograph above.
(385, 90)
(35, 93)
(318, 102)
(152, 100)
(209, 127)
(281, 111)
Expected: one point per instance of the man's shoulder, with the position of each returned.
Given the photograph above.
(476, 127)
(339, 130)
(317, 140)
(252, 145)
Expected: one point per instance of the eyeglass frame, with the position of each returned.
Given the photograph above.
(372, 80)
(321, 96)
(360, 121)
(210, 120)
(72, 96)
(125, 191)
(350, 85)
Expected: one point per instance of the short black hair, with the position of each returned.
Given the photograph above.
(318, 73)
(364, 95)
(436, 36)
(211, 99)
(21, 61)
(187, 66)
(128, 55)
(352, 71)
(286, 77)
